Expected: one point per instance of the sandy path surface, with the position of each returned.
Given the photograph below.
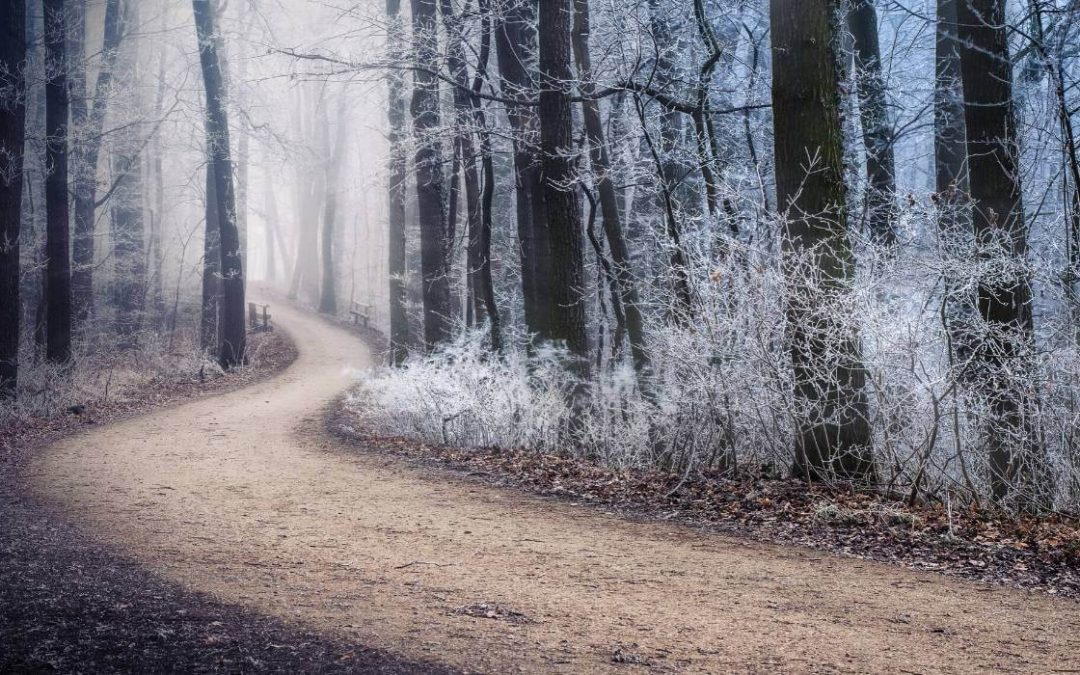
(242, 496)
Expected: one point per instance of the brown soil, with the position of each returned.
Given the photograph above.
(240, 496)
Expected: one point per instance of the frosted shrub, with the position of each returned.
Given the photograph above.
(722, 384)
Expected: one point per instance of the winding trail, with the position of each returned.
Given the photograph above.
(244, 497)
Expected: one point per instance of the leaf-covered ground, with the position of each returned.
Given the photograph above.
(70, 605)
(1041, 554)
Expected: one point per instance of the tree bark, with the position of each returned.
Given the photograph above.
(876, 132)
(12, 140)
(233, 327)
(832, 434)
(430, 183)
(1001, 363)
(563, 223)
(57, 229)
(396, 187)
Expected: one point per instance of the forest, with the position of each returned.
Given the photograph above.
(804, 272)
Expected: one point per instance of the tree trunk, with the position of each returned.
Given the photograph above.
(328, 296)
(57, 234)
(599, 159)
(211, 276)
(12, 140)
(1002, 361)
(484, 285)
(430, 183)
(874, 114)
(396, 187)
(832, 434)
(515, 47)
(88, 117)
(566, 284)
(233, 327)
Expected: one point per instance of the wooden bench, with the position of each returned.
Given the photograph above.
(259, 321)
(360, 313)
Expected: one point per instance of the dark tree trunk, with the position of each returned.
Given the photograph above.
(874, 114)
(515, 46)
(832, 432)
(57, 234)
(566, 284)
(396, 188)
(12, 140)
(1002, 361)
(627, 294)
(233, 327)
(89, 118)
(430, 183)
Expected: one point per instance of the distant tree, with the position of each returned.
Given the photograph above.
(88, 119)
(12, 139)
(328, 293)
(876, 131)
(128, 224)
(830, 407)
(57, 228)
(233, 330)
(600, 160)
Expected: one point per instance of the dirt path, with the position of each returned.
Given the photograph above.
(242, 496)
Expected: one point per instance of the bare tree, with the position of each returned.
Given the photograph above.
(57, 232)
(233, 330)
(12, 138)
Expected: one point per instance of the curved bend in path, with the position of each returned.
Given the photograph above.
(243, 497)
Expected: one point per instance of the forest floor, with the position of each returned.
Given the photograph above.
(244, 499)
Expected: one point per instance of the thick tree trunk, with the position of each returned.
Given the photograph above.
(88, 117)
(57, 233)
(599, 159)
(12, 140)
(832, 434)
(396, 187)
(563, 224)
(876, 132)
(430, 183)
(1002, 361)
(515, 47)
(233, 327)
